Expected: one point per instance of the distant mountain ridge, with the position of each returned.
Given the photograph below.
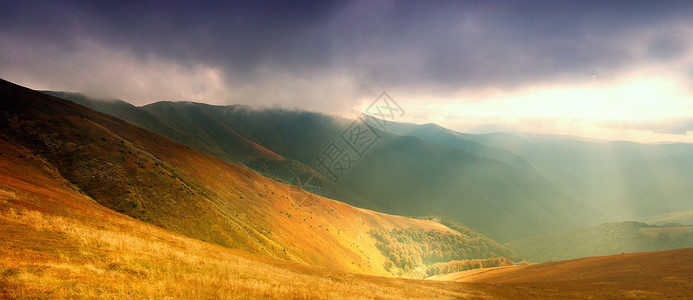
(625, 180)
(501, 196)
(157, 180)
(594, 181)
(604, 239)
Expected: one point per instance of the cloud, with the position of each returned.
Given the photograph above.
(103, 72)
(327, 56)
(676, 127)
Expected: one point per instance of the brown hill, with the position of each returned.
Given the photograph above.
(58, 161)
(58, 243)
(156, 180)
(664, 274)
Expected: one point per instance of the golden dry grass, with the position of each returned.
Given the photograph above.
(55, 242)
(61, 257)
(58, 243)
(663, 274)
(159, 181)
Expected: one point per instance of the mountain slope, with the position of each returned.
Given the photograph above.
(652, 275)
(648, 187)
(604, 239)
(232, 148)
(412, 177)
(210, 132)
(58, 243)
(627, 180)
(493, 197)
(439, 135)
(154, 179)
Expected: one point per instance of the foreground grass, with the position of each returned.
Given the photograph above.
(60, 257)
(109, 256)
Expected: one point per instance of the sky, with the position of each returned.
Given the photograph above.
(617, 70)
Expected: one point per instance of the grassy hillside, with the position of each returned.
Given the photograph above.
(624, 180)
(154, 179)
(58, 243)
(457, 266)
(291, 134)
(413, 177)
(652, 275)
(405, 175)
(627, 180)
(231, 148)
(604, 239)
(209, 130)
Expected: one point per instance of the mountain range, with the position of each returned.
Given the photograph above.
(157, 180)
(500, 195)
(201, 201)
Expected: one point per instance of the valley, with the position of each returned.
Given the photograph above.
(89, 202)
(346, 149)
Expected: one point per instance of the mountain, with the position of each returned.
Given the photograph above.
(648, 187)
(443, 136)
(626, 180)
(57, 242)
(503, 198)
(92, 206)
(154, 179)
(231, 148)
(604, 239)
(685, 217)
(213, 134)
(410, 176)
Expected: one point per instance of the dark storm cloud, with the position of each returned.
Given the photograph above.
(439, 47)
(239, 35)
(510, 44)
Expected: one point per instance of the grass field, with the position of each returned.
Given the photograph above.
(57, 243)
(51, 256)
(649, 275)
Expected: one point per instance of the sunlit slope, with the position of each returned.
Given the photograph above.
(159, 181)
(652, 275)
(58, 243)
(209, 130)
(405, 175)
(232, 148)
(488, 195)
(604, 239)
